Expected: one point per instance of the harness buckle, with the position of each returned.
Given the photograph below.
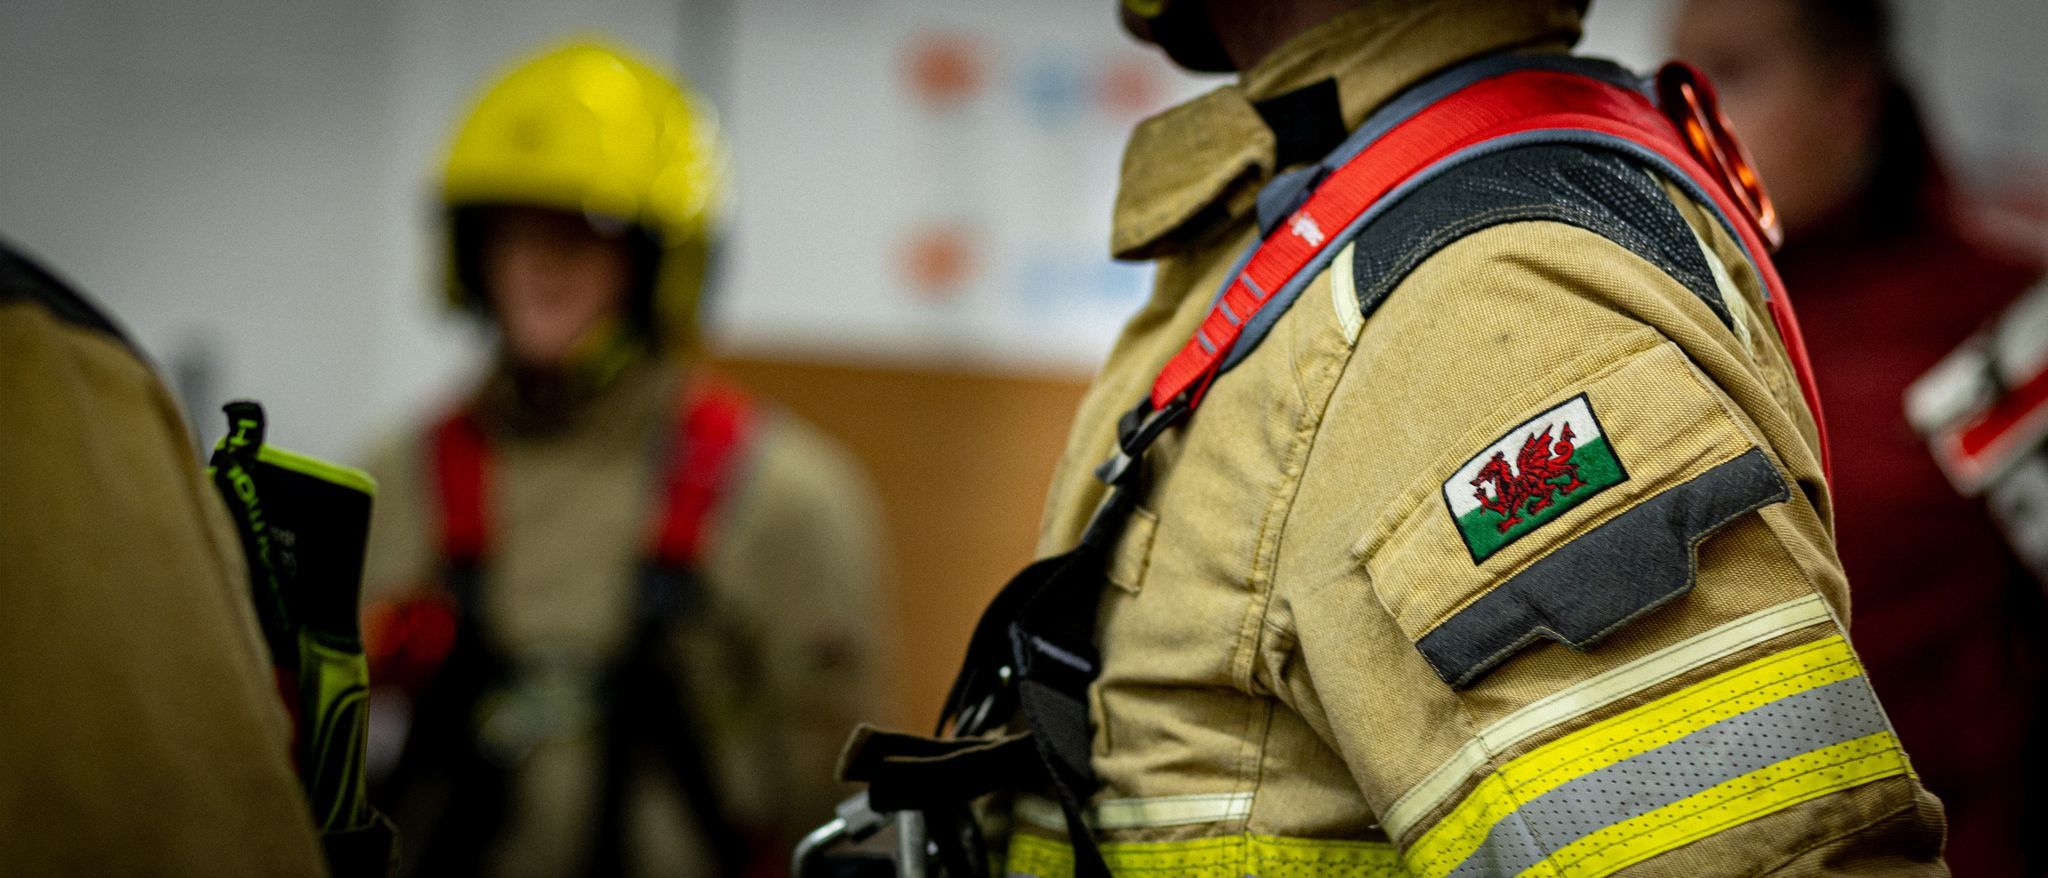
(1685, 95)
(1135, 432)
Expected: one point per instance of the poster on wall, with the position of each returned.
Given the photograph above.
(933, 184)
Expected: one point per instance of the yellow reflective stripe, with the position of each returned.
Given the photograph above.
(1645, 728)
(346, 476)
(1765, 791)
(1246, 855)
(1594, 693)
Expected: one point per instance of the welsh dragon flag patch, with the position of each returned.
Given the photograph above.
(1535, 473)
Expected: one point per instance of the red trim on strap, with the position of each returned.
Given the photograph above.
(1516, 102)
(715, 422)
(461, 456)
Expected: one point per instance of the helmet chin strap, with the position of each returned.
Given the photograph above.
(552, 396)
(604, 352)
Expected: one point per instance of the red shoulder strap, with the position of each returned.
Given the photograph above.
(460, 458)
(1689, 137)
(712, 430)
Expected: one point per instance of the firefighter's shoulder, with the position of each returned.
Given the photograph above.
(1556, 338)
(1562, 460)
(1564, 509)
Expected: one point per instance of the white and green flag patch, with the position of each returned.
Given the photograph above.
(1540, 469)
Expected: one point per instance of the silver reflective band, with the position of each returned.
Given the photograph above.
(1595, 692)
(1141, 813)
(1758, 738)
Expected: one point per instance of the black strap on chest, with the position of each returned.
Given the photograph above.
(645, 709)
(1587, 159)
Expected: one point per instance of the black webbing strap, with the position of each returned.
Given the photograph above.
(465, 793)
(644, 705)
(915, 773)
(1033, 652)
(647, 710)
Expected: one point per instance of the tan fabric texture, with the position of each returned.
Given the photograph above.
(139, 730)
(1294, 544)
(782, 671)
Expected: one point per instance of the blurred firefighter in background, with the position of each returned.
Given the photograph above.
(1890, 276)
(630, 604)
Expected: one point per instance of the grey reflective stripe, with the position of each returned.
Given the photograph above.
(1223, 305)
(1202, 337)
(1596, 692)
(1589, 587)
(1758, 738)
(1259, 293)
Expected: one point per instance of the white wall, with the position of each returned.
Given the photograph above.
(219, 177)
(244, 183)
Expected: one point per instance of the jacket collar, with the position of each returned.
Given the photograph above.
(1199, 166)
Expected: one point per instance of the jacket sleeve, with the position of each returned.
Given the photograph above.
(798, 546)
(143, 734)
(1580, 613)
(401, 558)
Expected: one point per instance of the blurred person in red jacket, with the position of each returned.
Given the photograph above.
(1890, 277)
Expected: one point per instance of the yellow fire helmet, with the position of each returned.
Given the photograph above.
(589, 129)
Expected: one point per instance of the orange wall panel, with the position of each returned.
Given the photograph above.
(960, 461)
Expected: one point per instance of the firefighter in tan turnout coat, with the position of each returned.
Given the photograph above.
(662, 588)
(1501, 547)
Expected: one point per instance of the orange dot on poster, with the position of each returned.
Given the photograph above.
(945, 69)
(938, 261)
(1128, 87)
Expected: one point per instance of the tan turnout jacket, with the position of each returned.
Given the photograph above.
(783, 668)
(140, 733)
(1326, 651)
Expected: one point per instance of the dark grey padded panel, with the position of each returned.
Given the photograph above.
(1596, 189)
(1589, 587)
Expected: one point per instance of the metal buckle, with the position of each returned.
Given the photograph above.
(1685, 95)
(856, 822)
(1134, 437)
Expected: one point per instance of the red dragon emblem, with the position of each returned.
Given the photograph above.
(1530, 485)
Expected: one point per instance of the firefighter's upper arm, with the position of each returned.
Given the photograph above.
(401, 557)
(1582, 580)
(794, 544)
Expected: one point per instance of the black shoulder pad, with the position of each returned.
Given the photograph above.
(23, 280)
(1598, 190)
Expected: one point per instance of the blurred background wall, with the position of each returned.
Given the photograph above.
(917, 262)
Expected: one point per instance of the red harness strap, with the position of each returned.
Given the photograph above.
(1490, 109)
(716, 424)
(713, 425)
(461, 457)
